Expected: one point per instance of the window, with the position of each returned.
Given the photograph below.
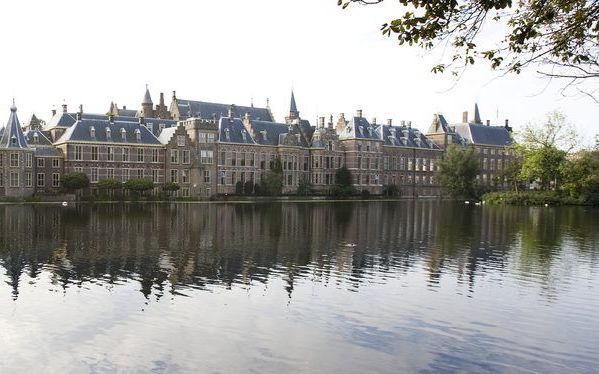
(138, 135)
(14, 160)
(155, 175)
(185, 192)
(125, 175)
(211, 138)
(174, 156)
(94, 153)
(174, 176)
(41, 179)
(110, 173)
(110, 153)
(78, 152)
(78, 169)
(56, 163)
(94, 177)
(126, 154)
(28, 160)
(123, 134)
(185, 157)
(154, 155)
(1, 179)
(184, 176)
(14, 179)
(140, 155)
(139, 173)
(202, 137)
(206, 176)
(206, 157)
(28, 180)
(181, 140)
(40, 163)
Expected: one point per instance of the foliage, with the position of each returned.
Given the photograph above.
(343, 185)
(139, 185)
(239, 188)
(511, 170)
(304, 186)
(248, 187)
(559, 36)
(530, 198)
(272, 181)
(543, 165)
(171, 187)
(555, 132)
(581, 176)
(74, 181)
(109, 184)
(391, 190)
(458, 171)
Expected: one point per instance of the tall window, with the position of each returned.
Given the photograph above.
(154, 155)
(94, 177)
(40, 162)
(28, 180)
(14, 160)
(174, 176)
(181, 140)
(184, 176)
(206, 156)
(185, 156)
(14, 179)
(56, 163)
(28, 160)
(41, 179)
(1, 178)
(78, 152)
(206, 176)
(125, 154)
(94, 153)
(110, 153)
(110, 173)
(174, 156)
(140, 155)
(155, 175)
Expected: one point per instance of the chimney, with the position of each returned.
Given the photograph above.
(403, 123)
(390, 122)
(124, 107)
(359, 113)
(331, 121)
(162, 98)
(174, 95)
(507, 125)
(142, 120)
(53, 112)
(465, 117)
(111, 118)
(488, 122)
(247, 118)
(64, 108)
(232, 111)
(409, 124)
(321, 122)
(80, 113)
(374, 120)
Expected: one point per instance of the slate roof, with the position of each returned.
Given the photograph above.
(293, 105)
(481, 134)
(42, 138)
(68, 119)
(405, 137)
(12, 136)
(439, 124)
(276, 132)
(205, 110)
(147, 98)
(82, 131)
(232, 130)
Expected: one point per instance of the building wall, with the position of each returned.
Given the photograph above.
(16, 172)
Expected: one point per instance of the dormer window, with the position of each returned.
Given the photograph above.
(35, 137)
(123, 134)
(244, 135)
(227, 136)
(13, 140)
(92, 132)
(263, 132)
(108, 133)
(138, 135)
(150, 127)
(404, 140)
(361, 130)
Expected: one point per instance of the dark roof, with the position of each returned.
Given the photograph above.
(400, 136)
(205, 110)
(46, 151)
(82, 131)
(276, 133)
(147, 99)
(232, 130)
(439, 124)
(42, 139)
(360, 128)
(293, 105)
(13, 136)
(481, 134)
(68, 119)
(127, 112)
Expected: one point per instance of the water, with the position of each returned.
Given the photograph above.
(383, 287)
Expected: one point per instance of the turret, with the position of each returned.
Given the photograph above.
(147, 106)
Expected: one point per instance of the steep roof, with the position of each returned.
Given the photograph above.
(439, 124)
(293, 105)
(400, 136)
(166, 135)
(82, 131)
(360, 128)
(206, 110)
(13, 136)
(232, 130)
(147, 98)
(68, 119)
(37, 137)
(481, 134)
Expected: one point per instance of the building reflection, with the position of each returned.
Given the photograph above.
(167, 248)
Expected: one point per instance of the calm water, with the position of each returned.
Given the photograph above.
(300, 287)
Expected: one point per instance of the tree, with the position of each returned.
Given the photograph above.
(559, 37)
(171, 187)
(248, 187)
(343, 182)
(511, 172)
(304, 186)
(109, 185)
(139, 185)
(543, 165)
(74, 181)
(272, 181)
(239, 188)
(391, 190)
(581, 176)
(458, 171)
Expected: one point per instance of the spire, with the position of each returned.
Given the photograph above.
(147, 99)
(293, 106)
(13, 136)
(477, 119)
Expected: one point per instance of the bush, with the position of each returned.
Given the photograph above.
(530, 198)
(391, 190)
(139, 185)
(248, 188)
(239, 188)
(365, 194)
(171, 187)
(109, 184)
(74, 181)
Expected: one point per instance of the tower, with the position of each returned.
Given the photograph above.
(147, 105)
(293, 112)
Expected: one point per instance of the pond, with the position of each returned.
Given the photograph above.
(309, 287)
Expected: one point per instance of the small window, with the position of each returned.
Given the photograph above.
(124, 134)
(138, 135)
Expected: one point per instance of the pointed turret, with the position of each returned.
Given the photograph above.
(477, 119)
(147, 105)
(13, 136)
(293, 112)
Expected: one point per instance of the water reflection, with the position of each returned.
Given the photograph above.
(169, 248)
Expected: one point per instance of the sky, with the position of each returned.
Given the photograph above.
(236, 51)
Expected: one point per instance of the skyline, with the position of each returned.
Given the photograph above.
(335, 60)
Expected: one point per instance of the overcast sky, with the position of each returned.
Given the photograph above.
(231, 51)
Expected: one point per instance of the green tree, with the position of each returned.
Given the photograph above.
(391, 190)
(248, 187)
(458, 171)
(581, 176)
(559, 37)
(109, 185)
(272, 183)
(239, 188)
(139, 185)
(543, 165)
(304, 186)
(171, 187)
(343, 182)
(74, 181)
